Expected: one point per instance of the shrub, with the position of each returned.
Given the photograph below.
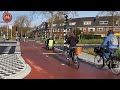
(91, 41)
(118, 53)
(91, 36)
(89, 51)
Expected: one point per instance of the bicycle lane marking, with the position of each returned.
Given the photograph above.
(37, 71)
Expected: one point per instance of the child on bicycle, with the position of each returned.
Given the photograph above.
(109, 45)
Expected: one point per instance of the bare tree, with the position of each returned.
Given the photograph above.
(23, 23)
(52, 14)
(114, 16)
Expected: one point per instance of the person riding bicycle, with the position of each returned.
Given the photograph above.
(71, 41)
(110, 44)
(47, 42)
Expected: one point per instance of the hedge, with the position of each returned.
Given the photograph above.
(85, 36)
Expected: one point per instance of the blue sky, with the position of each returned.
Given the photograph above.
(37, 20)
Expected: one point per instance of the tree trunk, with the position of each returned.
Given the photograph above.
(51, 26)
(36, 35)
(113, 19)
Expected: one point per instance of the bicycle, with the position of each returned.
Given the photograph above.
(73, 60)
(113, 62)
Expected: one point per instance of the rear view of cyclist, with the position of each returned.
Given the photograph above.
(110, 44)
(71, 41)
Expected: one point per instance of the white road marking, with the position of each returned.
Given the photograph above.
(62, 64)
(7, 50)
(52, 53)
(46, 55)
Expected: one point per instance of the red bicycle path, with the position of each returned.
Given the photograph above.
(55, 66)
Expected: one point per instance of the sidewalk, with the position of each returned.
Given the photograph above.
(86, 57)
(12, 65)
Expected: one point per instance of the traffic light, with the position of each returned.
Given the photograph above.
(46, 26)
(66, 18)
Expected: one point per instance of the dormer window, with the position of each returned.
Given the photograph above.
(72, 23)
(87, 22)
(103, 22)
(54, 24)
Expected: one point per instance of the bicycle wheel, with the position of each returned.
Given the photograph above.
(68, 58)
(76, 62)
(99, 62)
(115, 65)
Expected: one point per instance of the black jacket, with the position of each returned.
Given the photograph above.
(72, 41)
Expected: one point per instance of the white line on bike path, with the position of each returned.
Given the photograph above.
(52, 53)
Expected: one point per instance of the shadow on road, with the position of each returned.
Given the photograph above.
(59, 59)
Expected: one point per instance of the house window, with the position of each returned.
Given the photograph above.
(62, 24)
(87, 22)
(68, 30)
(84, 29)
(58, 30)
(80, 28)
(73, 23)
(117, 22)
(54, 24)
(91, 29)
(100, 29)
(103, 22)
(53, 30)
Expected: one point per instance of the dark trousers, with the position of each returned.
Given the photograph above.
(70, 52)
(107, 52)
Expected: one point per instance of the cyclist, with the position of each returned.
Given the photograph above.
(107, 46)
(47, 42)
(71, 41)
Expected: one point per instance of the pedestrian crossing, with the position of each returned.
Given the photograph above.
(9, 50)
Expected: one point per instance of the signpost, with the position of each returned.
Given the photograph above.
(7, 17)
(10, 27)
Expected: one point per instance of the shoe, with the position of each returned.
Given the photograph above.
(75, 61)
(68, 58)
(107, 62)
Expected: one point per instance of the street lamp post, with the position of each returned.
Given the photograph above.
(7, 31)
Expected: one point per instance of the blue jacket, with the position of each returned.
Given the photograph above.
(107, 42)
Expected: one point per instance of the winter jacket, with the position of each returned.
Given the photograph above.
(72, 41)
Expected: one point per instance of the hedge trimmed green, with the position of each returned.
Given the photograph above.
(85, 36)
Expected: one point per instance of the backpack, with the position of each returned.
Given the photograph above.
(114, 41)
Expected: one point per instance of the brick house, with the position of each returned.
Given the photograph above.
(98, 26)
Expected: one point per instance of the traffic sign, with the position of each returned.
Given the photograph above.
(7, 17)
